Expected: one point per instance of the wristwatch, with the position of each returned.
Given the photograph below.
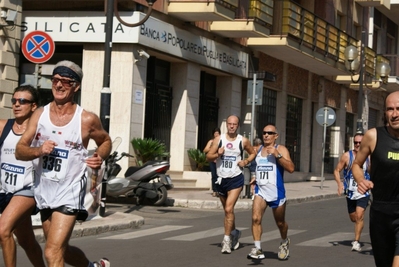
(279, 156)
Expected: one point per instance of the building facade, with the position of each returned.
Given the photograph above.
(185, 69)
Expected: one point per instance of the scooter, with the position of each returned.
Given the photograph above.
(148, 183)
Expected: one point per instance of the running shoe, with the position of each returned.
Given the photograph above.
(226, 246)
(103, 262)
(284, 249)
(356, 246)
(256, 254)
(235, 235)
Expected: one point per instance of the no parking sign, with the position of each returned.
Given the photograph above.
(38, 47)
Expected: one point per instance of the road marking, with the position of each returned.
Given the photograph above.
(147, 232)
(329, 240)
(271, 235)
(200, 235)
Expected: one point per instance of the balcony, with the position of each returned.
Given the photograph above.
(203, 10)
(305, 40)
(373, 3)
(393, 79)
(255, 20)
(389, 8)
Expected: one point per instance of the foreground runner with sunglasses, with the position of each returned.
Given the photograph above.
(17, 203)
(271, 162)
(56, 139)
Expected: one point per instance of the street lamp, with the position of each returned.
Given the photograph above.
(105, 107)
(356, 66)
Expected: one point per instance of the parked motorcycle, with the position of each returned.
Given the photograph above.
(148, 183)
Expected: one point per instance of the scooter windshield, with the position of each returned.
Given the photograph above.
(115, 144)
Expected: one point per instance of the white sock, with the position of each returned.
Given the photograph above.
(257, 244)
(227, 238)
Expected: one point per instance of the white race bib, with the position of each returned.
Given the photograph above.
(55, 165)
(265, 175)
(12, 177)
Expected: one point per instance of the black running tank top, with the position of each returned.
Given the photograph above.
(385, 170)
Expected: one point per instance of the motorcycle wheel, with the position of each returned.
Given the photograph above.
(160, 199)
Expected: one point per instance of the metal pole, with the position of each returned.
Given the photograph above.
(324, 146)
(359, 127)
(253, 109)
(105, 108)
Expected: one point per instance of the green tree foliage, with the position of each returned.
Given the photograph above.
(148, 149)
(199, 157)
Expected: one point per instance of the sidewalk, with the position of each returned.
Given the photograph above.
(296, 192)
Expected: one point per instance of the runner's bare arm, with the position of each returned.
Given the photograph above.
(213, 152)
(285, 160)
(366, 148)
(93, 129)
(23, 149)
(343, 162)
(250, 150)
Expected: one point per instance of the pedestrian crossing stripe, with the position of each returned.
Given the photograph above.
(329, 240)
(324, 241)
(200, 235)
(147, 232)
(271, 235)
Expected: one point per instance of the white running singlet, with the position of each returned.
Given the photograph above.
(61, 176)
(227, 164)
(15, 174)
(269, 177)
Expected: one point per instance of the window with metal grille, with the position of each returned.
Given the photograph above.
(350, 129)
(208, 109)
(293, 127)
(158, 108)
(267, 111)
(373, 118)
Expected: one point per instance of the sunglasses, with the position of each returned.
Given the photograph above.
(22, 101)
(64, 82)
(357, 143)
(269, 133)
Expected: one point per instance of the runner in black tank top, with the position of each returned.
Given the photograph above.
(382, 144)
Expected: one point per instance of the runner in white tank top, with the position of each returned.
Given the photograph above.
(17, 203)
(227, 164)
(272, 160)
(227, 150)
(57, 138)
(61, 176)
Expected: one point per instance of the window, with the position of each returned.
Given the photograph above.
(267, 111)
(349, 131)
(294, 129)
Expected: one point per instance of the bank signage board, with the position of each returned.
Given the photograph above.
(89, 27)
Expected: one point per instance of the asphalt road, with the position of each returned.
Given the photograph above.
(320, 233)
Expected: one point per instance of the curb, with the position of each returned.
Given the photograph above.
(113, 221)
(241, 203)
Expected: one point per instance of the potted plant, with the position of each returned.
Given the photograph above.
(148, 149)
(198, 157)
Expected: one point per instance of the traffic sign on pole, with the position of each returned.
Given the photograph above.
(325, 117)
(38, 47)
